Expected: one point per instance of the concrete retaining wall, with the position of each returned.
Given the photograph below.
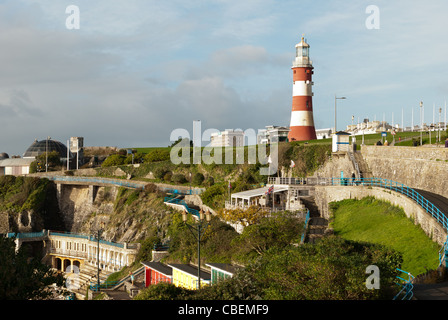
(326, 194)
(423, 168)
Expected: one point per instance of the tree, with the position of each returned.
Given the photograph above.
(163, 291)
(279, 230)
(246, 217)
(24, 278)
(332, 269)
(214, 196)
(53, 160)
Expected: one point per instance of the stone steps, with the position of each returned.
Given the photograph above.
(316, 229)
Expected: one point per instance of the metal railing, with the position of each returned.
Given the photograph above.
(101, 181)
(426, 205)
(181, 202)
(406, 286)
(182, 191)
(103, 285)
(305, 227)
(443, 254)
(27, 235)
(372, 182)
(85, 236)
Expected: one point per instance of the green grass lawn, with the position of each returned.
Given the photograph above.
(375, 221)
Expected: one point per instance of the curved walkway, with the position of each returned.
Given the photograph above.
(439, 201)
(437, 291)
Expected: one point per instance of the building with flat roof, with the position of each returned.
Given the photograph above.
(272, 134)
(227, 138)
(15, 166)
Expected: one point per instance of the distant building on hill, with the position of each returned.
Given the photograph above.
(227, 138)
(272, 134)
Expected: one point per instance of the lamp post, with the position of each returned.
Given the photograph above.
(198, 230)
(335, 99)
(421, 124)
(190, 181)
(440, 113)
(98, 234)
(46, 154)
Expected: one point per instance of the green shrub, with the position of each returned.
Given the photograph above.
(179, 178)
(114, 160)
(157, 155)
(163, 291)
(160, 172)
(167, 176)
(198, 178)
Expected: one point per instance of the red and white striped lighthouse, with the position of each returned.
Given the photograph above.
(302, 122)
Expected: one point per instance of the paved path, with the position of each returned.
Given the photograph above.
(438, 291)
(439, 201)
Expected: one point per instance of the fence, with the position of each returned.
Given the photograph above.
(371, 182)
(406, 286)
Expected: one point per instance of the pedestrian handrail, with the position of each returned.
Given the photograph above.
(443, 254)
(27, 235)
(406, 286)
(305, 227)
(103, 285)
(49, 233)
(190, 191)
(95, 180)
(182, 203)
(400, 188)
(371, 182)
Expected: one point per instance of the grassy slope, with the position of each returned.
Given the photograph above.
(376, 221)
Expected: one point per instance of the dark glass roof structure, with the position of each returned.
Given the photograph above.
(39, 147)
(4, 155)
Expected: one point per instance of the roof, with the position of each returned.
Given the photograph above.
(191, 270)
(226, 267)
(16, 162)
(257, 192)
(39, 147)
(159, 267)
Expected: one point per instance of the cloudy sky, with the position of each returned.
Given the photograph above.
(136, 70)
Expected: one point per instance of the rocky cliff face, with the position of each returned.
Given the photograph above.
(125, 215)
(28, 204)
(78, 209)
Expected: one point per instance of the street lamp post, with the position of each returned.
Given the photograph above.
(421, 124)
(198, 230)
(98, 234)
(46, 154)
(190, 182)
(440, 113)
(335, 117)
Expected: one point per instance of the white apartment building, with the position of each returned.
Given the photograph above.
(227, 138)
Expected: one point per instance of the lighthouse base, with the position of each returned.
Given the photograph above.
(302, 133)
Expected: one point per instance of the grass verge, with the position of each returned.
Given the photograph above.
(375, 221)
